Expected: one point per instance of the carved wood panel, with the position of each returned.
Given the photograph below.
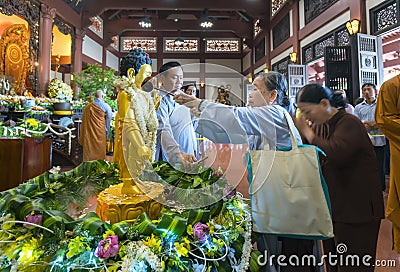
(30, 11)
(281, 31)
(314, 8)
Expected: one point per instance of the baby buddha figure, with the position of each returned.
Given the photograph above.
(135, 139)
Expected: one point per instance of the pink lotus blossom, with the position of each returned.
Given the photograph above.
(200, 231)
(107, 248)
(35, 219)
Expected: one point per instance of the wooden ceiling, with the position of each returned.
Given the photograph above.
(233, 18)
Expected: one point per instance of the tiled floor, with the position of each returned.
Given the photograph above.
(385, 254)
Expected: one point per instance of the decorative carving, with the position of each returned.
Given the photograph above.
(387, 17)
(63, 27)
(337, 37)
(230, 45)
(276, 5)
(281, 31)
(30, 11)
(147, 44)
(320, 47)
(14, 55)
(115, 207)
(79, 34)
(97, 25)
(189, 45)
(256, 28)
(314, 8)
(282, 66)
(308, 54)
(343, 38)
(115, 42)
(47, 12)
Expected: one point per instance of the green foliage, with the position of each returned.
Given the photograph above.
(61, 243)
(95, 78)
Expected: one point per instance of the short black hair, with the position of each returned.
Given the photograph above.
(169, 65)
(368, 84)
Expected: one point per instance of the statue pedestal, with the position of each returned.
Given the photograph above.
(115, 207)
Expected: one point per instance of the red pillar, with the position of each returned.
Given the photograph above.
(47, 15)
(358, 11)
(79, 34)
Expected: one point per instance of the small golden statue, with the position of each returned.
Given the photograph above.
(135, 139)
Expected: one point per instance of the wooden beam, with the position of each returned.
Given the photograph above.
(112, 28)
(255, 9)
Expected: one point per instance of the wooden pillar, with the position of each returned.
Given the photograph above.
(79, 34)
(47, 15)
(296, 28)
(358, 11)
(202, 74)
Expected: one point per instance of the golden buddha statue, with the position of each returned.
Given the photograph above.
(145, 71)
(135, 139)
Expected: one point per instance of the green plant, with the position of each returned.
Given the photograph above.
(95, 78)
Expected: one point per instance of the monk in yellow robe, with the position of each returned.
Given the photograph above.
(387, 116)
(96, 119)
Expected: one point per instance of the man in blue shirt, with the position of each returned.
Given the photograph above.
(176, 139)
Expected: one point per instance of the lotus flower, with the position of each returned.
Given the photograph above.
(107, 248)
(200, 231)
(34, 219)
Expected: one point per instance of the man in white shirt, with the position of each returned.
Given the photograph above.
(365, 111)
(176, 139)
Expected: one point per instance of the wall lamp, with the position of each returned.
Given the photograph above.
(293, 57)
(353, 26)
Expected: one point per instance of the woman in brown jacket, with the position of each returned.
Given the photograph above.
(352, 177)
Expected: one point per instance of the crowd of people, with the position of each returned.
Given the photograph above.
(353, 140)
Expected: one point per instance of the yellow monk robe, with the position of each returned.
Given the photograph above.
(93, 133)
(387, 116)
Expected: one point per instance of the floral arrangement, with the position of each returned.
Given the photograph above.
(37, 235)
(25, 128)
(60, 90)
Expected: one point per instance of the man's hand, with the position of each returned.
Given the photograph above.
(188, 100)
(187, 160)
(370, 125)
